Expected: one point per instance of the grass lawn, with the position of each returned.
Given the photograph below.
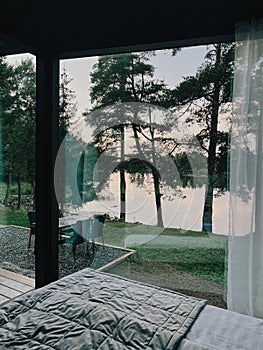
(187, 261)
(205, 263)
(16, 217)
(198, 253)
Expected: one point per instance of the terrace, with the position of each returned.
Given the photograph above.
(13, 284)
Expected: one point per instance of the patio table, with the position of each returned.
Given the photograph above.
(81, 222)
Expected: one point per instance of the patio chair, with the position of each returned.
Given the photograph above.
(33, 229)
(85, 230)
(32, 223)
(76, 237)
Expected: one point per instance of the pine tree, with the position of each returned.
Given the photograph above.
(120, 79)
(211, 89)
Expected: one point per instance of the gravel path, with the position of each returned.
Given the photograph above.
(15, 255)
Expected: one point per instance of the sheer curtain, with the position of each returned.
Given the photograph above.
(245, 257)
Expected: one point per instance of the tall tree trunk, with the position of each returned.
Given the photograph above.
(81, 177)
(156, 178)
(122, 180)
(8, 187)
(155, 174)
(19, 192)
(156, 181)
(157, 192)
(207, 220)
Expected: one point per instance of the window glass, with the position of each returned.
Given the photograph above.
(144, 152)
(17, 167)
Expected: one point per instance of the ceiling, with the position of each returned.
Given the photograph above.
(81, 28)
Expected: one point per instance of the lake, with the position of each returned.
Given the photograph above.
(183, 211)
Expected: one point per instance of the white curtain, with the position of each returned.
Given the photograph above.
(245, 257)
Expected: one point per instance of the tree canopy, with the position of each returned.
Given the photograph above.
(18, 116)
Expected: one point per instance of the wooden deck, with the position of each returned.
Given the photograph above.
(12, 284)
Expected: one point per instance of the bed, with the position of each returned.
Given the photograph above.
(96, 310)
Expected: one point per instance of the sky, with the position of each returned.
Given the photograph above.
(169, 68)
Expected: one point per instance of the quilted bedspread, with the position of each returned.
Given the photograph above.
(95, 310)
